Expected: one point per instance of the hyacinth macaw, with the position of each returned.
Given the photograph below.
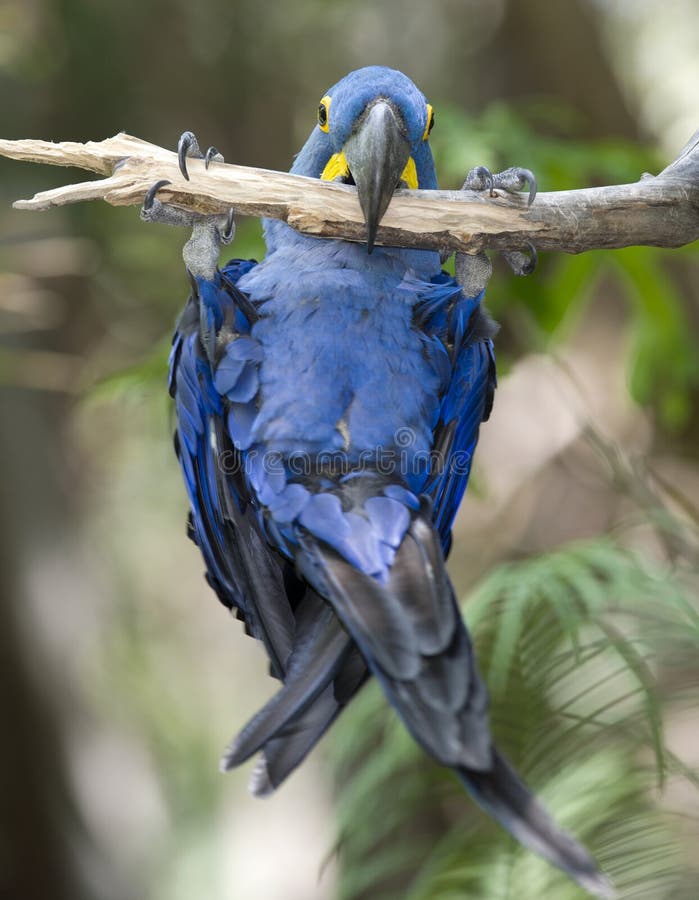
(328, 405)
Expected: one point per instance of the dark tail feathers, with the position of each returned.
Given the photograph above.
(504, 796)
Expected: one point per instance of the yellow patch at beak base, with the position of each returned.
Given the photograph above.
(336, 167)
(409, 175)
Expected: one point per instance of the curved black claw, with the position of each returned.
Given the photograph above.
(519, 262)
(533, 255)
(516, 179)
(229, 231)
(528, 177)
(212, 154)
(187, 146)
(152, 191)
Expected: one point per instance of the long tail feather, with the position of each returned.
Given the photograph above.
(507, 799)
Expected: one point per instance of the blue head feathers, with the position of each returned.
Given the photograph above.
(349, 98)
(373, 129)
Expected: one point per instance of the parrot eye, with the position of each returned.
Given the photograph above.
(323, 113)
(430, 122)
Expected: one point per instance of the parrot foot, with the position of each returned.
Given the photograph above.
(472, 271)
(154, 210)
(209, 233)
(519, 262)
(188, 148)
(511, 180)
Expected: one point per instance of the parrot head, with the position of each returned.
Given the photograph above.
(372, 131)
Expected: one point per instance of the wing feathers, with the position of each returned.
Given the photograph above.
(290, 746)
(314, 662)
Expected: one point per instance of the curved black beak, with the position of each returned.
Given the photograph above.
(376, 153)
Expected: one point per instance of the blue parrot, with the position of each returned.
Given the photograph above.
(328, 405)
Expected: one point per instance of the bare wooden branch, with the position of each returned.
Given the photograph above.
(661, 211)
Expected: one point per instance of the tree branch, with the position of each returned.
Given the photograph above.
(660, 211)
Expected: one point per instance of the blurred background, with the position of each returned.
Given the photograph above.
(576, 552)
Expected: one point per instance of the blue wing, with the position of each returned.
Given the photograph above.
(224, 523)
(466, 330)
(214, 384)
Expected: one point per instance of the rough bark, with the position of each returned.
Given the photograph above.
(661, 210)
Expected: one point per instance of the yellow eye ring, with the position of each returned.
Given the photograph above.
(324, 114)
(430, 122)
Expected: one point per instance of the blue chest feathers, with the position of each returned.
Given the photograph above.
(344, 368)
